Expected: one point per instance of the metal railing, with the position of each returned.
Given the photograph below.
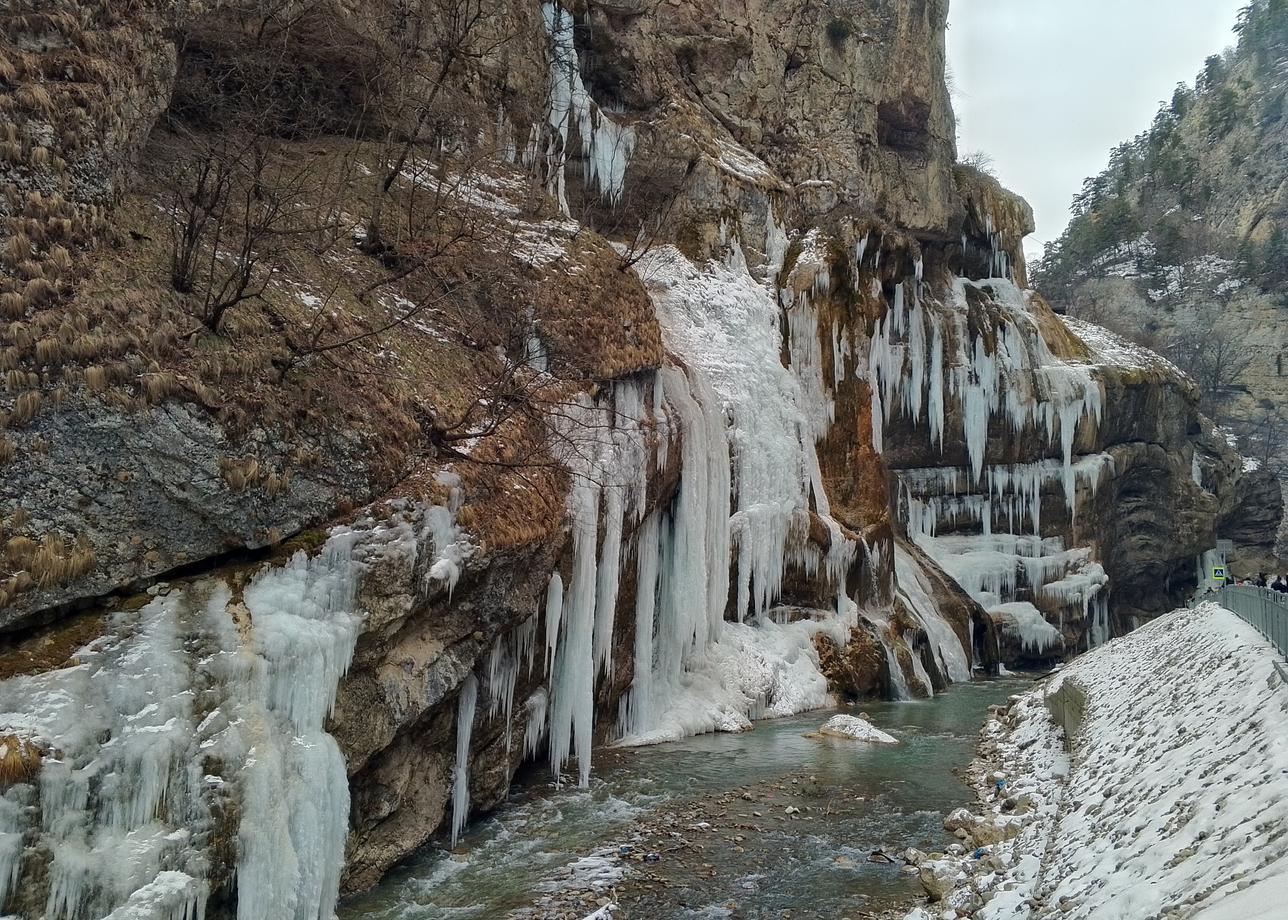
(1265, 610)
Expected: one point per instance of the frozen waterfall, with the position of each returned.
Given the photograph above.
(192, 725)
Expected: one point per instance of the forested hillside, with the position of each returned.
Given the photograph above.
(1182, 242)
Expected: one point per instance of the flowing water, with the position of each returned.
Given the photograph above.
(769, 823)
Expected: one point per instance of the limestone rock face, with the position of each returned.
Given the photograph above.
(845, 103)
(151, 492)
(860, 670)
(1254, 523)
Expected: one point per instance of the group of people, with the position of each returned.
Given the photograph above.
(1274, 583)
(1277, 583)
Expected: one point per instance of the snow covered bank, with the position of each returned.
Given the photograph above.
(1172, 801)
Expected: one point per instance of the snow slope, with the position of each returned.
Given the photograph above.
(1174, 799)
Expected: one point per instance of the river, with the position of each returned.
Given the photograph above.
(764, 824)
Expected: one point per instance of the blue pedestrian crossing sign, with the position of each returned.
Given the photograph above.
(1218, 573)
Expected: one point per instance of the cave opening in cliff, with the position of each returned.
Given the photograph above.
(903, 125)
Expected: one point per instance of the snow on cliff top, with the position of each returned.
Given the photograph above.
(1112, 349)
(1175, 796)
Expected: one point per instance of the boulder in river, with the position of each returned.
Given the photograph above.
(853, 728)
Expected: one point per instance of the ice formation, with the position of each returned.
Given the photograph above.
(465, 706)
(607, 456)
(954, 662)
(183, 713)
(746, 427)
(444, 537)
(1017, 378)
(983, 523)
(1027, 624)
(606, 145)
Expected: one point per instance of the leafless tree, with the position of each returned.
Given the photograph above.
(1214, 358)
(431, 40)
(1264, 437)
(237, 207)
(243, 200)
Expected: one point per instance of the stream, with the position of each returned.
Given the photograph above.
(764, 824)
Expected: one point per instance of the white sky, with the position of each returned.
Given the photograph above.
(1048, 87)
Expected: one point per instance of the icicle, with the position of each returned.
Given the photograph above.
(448, 543)
(608, 146)
(554, 613)
(609, 577)
(572, 691)
(636, 714)
(937, 385)
(917, 363)
(461, 781)
(534, 732)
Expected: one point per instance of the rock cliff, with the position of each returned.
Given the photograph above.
(399, 394)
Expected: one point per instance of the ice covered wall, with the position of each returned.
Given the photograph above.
(181, 758)
(1008, 402)
(1045, 463)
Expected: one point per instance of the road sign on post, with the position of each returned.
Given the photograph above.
(1218, 573)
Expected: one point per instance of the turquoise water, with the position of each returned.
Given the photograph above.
(714, 811)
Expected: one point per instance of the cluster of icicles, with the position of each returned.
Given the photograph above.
(748, 481)
(606, 145)
(1016, 381)
(186, 730)
(175, 721)
(750, 478)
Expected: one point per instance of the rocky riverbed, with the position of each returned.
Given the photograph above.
(778, 822)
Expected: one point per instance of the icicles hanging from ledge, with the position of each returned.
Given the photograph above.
(1008, 499)
(736, 405)
(1012, 379)
(297, 809)
(572, 681)
(725, 325)
(608, 456)
(607, 146)
(1015, 377)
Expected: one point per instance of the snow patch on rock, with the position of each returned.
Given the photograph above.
(855, 729)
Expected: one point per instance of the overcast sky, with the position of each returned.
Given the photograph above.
(1048, 87)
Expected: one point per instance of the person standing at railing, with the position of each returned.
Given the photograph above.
(1260, 580)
